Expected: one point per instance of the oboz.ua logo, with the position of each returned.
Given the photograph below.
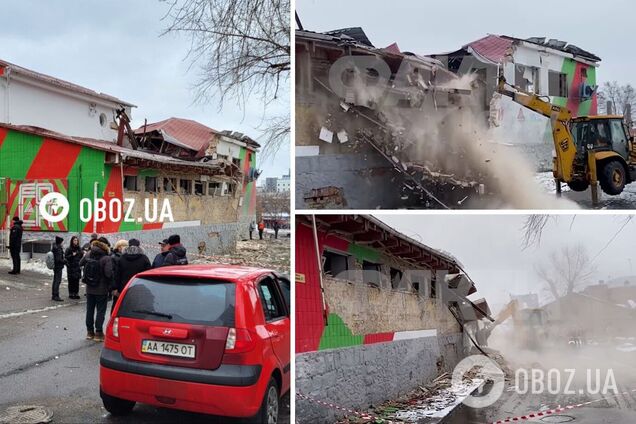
(54, 207)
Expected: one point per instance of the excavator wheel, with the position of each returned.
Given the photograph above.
(613, 178)
(578, 185)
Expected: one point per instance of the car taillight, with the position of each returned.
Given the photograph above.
(238, 340)
(116, 327)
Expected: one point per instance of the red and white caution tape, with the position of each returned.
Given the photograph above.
(556, 410)
(362, 415)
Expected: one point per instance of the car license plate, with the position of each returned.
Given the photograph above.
(167, 348)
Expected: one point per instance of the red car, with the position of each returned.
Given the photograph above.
(204, 338)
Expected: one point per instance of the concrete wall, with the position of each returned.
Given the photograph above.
(218, 238)
(366, 179)
(359, 376)
(23, 103)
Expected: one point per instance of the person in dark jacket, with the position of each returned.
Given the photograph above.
(276, 228)
(87, 245)
(116, 252)
(177, 253)
(73, 256)
(97, 294)
(161, 256)
(131, 262)
(15, 244)
(58, 268)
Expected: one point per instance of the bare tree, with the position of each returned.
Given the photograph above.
(242, 48)
(621, 97)
(565, 270)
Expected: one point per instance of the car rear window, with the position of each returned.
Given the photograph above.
(193, 301)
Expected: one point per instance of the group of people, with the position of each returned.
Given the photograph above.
(104, 269)
(261, 229)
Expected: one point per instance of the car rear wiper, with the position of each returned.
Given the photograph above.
(159, 314)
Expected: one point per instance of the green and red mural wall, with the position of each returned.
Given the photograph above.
(581, 78)
(32, 158)
(311, 332)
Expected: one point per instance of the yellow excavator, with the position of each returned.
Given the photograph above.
(530, 326)
(589, 149)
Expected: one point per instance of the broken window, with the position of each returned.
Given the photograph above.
(527, 78)
(334, 263)
(231, 189)
(557, 84)
(371, 273)
(185, 186)
(396, 278)
(214, 189)
(198, 188)
(151, 185)
(170, 185)
(236, 161)
(130, 183)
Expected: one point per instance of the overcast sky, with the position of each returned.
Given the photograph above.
(114, 47)
(490, 247)
(425, 27)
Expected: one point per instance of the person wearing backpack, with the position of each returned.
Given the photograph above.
(58, 268)
(98, 277)
(131, 262)
(177, 253)
(73, 256)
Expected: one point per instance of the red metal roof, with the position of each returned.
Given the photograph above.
(186, 131)
(492, 47)
(58, 82)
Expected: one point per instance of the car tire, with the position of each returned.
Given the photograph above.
(578, 185)
(117, 407)
(270, 407)
(613, 178)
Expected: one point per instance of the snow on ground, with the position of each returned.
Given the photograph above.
(440, 404)
(625, 200)
(35, 265)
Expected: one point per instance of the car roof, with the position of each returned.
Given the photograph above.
(222, 272)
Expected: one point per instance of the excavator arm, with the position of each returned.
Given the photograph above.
(560, 118)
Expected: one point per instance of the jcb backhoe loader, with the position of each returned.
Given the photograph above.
(589, 149)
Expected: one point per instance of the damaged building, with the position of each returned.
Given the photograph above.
(362, 140)
(554, 69)
(208, 176)
(372, 317)
(385, 128)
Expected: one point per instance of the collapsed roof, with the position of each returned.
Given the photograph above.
(190, 138)
(494, 48)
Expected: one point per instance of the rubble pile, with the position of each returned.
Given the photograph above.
(267, 253)
(433, 400)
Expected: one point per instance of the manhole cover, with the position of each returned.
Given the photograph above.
(25, 414)
(557, 419)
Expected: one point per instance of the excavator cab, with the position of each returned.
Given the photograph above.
(601, 133)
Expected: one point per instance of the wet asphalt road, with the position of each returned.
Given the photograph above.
(45, 360)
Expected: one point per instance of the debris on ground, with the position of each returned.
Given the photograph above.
(433, 400)
(266, 253)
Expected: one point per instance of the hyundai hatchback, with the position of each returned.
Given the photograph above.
(206, 338)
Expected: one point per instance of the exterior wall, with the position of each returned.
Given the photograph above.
(28, 157)
(372, 343)
(218, 238)
(23, 103)
(517, 125)
(356, 377)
